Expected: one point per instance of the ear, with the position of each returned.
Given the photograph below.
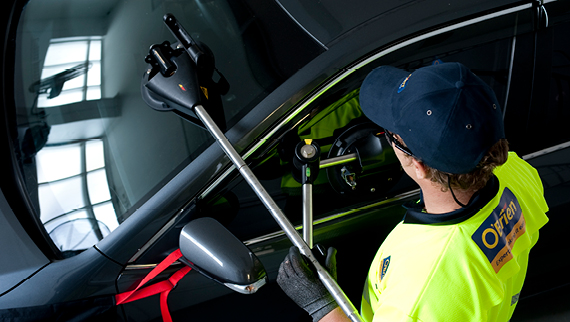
(420, 169)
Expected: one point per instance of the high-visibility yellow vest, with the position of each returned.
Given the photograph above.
(468, 271)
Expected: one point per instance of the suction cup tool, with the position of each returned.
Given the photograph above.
(377, 169)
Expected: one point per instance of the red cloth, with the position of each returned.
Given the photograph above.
(163, 287)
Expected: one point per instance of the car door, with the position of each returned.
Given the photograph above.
(546, 111)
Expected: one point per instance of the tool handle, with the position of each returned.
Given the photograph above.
(204, 61)
(331, 285)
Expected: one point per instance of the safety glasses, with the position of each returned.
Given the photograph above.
(392, 139)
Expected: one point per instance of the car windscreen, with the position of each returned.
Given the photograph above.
(89, 148)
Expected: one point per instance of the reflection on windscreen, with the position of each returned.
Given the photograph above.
(78, 71)
(74, 197)
(71, 72)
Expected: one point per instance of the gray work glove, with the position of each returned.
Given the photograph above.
(303, 286)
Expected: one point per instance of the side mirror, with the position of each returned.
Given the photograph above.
(212, 250)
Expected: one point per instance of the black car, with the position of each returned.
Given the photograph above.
(98, 185)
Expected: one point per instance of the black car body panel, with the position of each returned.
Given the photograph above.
(22, 257)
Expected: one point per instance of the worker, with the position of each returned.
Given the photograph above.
(461, 252)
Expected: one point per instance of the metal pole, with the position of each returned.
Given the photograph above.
(338, 160)
(331, 285)
(308, 214)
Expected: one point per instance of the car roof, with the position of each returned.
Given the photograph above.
(329, 20)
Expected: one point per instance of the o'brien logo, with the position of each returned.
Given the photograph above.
(498, 233)
(404, 83)
(384, 267)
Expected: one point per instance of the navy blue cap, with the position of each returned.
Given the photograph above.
(448, 117)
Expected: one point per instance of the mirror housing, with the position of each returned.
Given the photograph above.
(212, 250)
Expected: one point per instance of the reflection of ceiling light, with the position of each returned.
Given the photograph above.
(71, 72)
(203, 248)
(72, 190)
(58, 162)
(54, 84)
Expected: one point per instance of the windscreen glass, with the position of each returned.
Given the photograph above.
(89, 147)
